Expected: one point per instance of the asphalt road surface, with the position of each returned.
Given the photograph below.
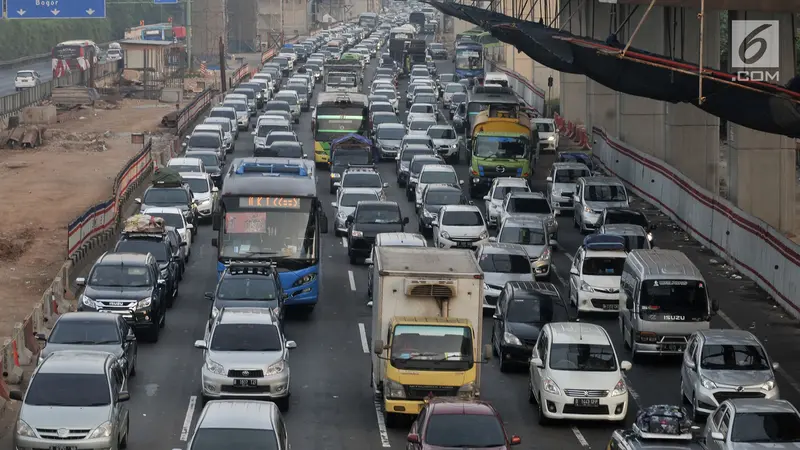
(332, 405)
(7, 75)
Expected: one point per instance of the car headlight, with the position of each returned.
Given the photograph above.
(551, 138)
(336, 175)
(484, 235)
(88, 302)
(394, 389)
(276, 368)
(445, 234)
(308, 278)
(585, 287)
(103, 431)
(708, 384)
(25, 430)
(769, 385)
(545, 256)
(620, 388)
(649, 236)
(356, 233)
(214, 367)
(510, 339)
(214, 311)
(144, 303)
(454, 145)
(550, 386)
(341, 215)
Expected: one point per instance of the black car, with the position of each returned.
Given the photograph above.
(417, 163)
(437, 51)
(343, 158)
(161, 247)
(274, 137)
(108, 333)
(434, 197)
(248, 285)
(403, 160)
(214, 166)
(523, 308)
(284, 149)
(131, 285)
(369, 219)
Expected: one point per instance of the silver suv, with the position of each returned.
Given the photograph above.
(240, 423)
(75, 399)
(246, 356)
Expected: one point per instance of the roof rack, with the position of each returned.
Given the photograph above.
(604, 242)
(360, 166)
(273, 169)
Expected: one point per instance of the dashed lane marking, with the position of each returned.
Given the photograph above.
(789, 379)
(187, 421)
(362, 333)
(344, 242)
(381, 424)
(352, 280)
(631, 391)
(578, 435)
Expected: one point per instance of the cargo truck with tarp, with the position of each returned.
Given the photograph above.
(503, 144)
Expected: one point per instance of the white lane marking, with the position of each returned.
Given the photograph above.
(570, 257)
(578, 435)
(789, 379)
(362, 332)
(631, 391)
(381, 425)
(352, 280)
(187, 421)
(344, 242)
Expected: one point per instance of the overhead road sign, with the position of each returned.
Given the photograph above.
(165, 2)
(56, 9)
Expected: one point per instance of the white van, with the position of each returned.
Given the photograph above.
(662, 301)
(496, 78)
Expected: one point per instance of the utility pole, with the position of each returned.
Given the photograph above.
(282, 28)
(222, 76)
(188, 22)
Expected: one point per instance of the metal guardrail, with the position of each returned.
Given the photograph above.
(11, 63)
(13, 103)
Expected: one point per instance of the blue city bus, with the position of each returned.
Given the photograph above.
(268, 210)
(469, 60)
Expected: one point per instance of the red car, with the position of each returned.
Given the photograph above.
(446, 423)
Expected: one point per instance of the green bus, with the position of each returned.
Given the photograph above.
(337, 114)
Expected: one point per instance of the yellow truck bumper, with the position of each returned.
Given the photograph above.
(411, 407)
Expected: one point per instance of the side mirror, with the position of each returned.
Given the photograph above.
(405, 220)
(189, 226)
(214, 189)
(377, 347)
(486, 197)
(385, 185)
(183, 144)
(214, 242)
(549, 179)
(333, 204)
(695, 428)
(690, 364)
(717, 436)
(41, 337)
(516, 440)
(80, 281)
(200, 344)
(130, 337)
(123, 396)
(625, 365)
(208, 296)
(492, 239)
(629, 304)
(291, 344)
(305, 156)
(162, 281)
(137, 200)
(15, 395)
(252, 133)
(775, 366)
(368, 261)
(497, 316)
(574, 271)
(337, 184)
(413, 438)
(461, 182)
(537, 362)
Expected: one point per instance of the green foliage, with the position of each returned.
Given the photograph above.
(31, 37)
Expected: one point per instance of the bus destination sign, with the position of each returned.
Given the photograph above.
(269, 202)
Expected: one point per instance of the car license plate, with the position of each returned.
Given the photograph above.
(611, 306)
(587, 402)
(239, 382)
(463, 244)
(63, 447)
(673, 347)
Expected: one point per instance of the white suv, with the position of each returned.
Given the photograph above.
(497, 195)
(459, 226)
(574, 374)
(595, 274)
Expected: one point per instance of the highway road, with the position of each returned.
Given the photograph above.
(332, 405)
(7, 75)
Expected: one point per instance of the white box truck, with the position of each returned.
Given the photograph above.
(427, 322)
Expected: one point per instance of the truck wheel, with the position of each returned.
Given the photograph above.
(390, 419)
(153, 333)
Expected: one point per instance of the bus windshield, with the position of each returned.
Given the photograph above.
(469, 58)
(272, 232)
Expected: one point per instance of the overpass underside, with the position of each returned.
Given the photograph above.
(753, 169)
